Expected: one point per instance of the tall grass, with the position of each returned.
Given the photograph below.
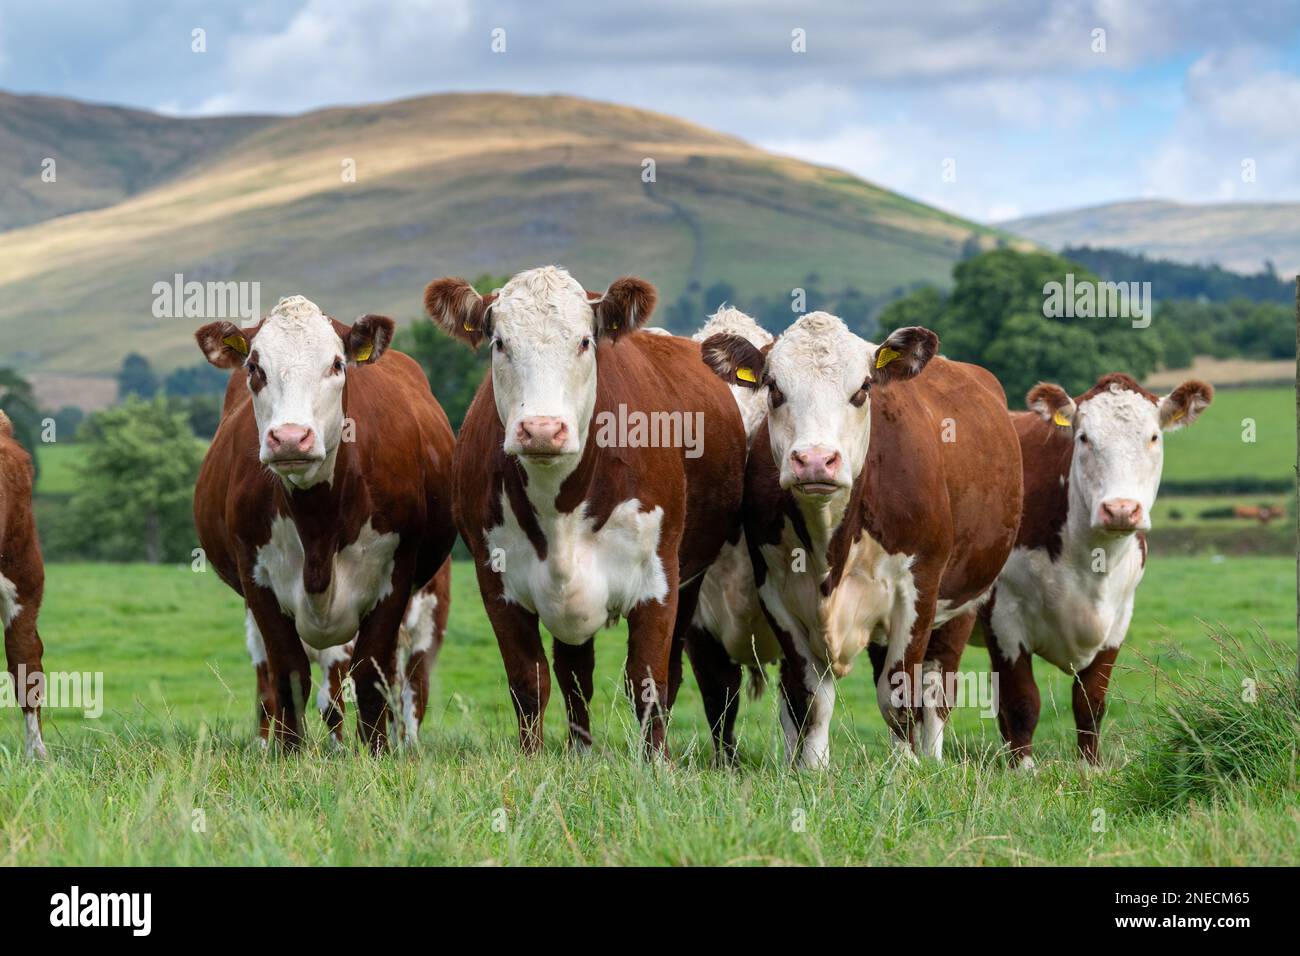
(1211, 739)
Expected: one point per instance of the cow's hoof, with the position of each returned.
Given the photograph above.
(1025, 765)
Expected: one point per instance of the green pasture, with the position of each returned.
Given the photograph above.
(170, 772)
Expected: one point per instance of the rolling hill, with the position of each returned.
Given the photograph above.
(1236, 236)
(102, 154)
(447, 184)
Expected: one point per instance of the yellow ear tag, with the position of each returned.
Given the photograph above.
(236, 342)
(1178, 414)
(467, 327)
(886, 356)
(1060, 419)
(746, 375)
(364, 353)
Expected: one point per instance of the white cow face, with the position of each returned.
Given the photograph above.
(543, 329)
(296, 363)
(819, 377)
(1117, 429)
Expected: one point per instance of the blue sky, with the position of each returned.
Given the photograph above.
(1017, 94)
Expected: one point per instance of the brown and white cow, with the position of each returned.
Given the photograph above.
(22, 584)
(1091, 471)
(597, 476)
(419, 640)
(885, 509)
(324, 498)
(729, 631)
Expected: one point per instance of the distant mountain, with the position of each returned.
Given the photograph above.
(449, 184)
(101, 154)
(1237, 236)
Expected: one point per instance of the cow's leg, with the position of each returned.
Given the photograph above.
(650, 628)
(374, 663)
(1089, 700)
(257, 652)
(333, 663)
(421, 637)
(288, 669)
(688, 597)
(1018, 699)
(575, 667)
(939, 672)
(909, 640)
(807, 705)
(415, 696)
(23, 652)
(525, 661)
(719, 679)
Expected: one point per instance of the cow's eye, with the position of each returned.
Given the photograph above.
(1155, 438)
(775, 397)
(1083, 439)
(499, 346)
(584, 344)
(338, 365)
(858, 398)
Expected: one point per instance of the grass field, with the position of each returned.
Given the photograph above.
(1214, 448)
(170, 773)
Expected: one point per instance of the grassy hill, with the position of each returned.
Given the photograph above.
(1237, 236)
(452, 184)
(102, 154)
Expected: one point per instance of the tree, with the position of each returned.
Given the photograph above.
(201, 378)
(136, 377)
(18, 401)
(995, 317)
(136, 484)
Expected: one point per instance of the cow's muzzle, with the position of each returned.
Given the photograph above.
(816, 470)
(541, 437)
(1121, 515)
(292, 446)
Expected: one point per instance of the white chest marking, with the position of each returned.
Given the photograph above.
(1062, 610)
(589, 577)
(729, 608)
(363, 576)
(9, 606)
(875, 599)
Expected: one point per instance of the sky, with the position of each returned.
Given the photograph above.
(990, 110)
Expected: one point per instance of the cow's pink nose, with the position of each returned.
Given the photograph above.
(815, 465)
(541, 436)
(1120, 514)
(288, 441)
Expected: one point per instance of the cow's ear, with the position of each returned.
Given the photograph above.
(368, 338)
(904, 354)
(223, 343)
(626, 305)
(1184, 404)
(734, 359)
(1052, 402)
(459, 310)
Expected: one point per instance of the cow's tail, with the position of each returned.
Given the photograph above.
(757, 681)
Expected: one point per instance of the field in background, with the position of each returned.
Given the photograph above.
(1212, 451)
(176, 737)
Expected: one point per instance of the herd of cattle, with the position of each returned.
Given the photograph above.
(843, 496)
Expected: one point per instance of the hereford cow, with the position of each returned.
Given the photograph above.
(885, 508)
(418, 641)
(597, 476)
(729, 631)
(22, 584)
(1092, 467)
(324, 498)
